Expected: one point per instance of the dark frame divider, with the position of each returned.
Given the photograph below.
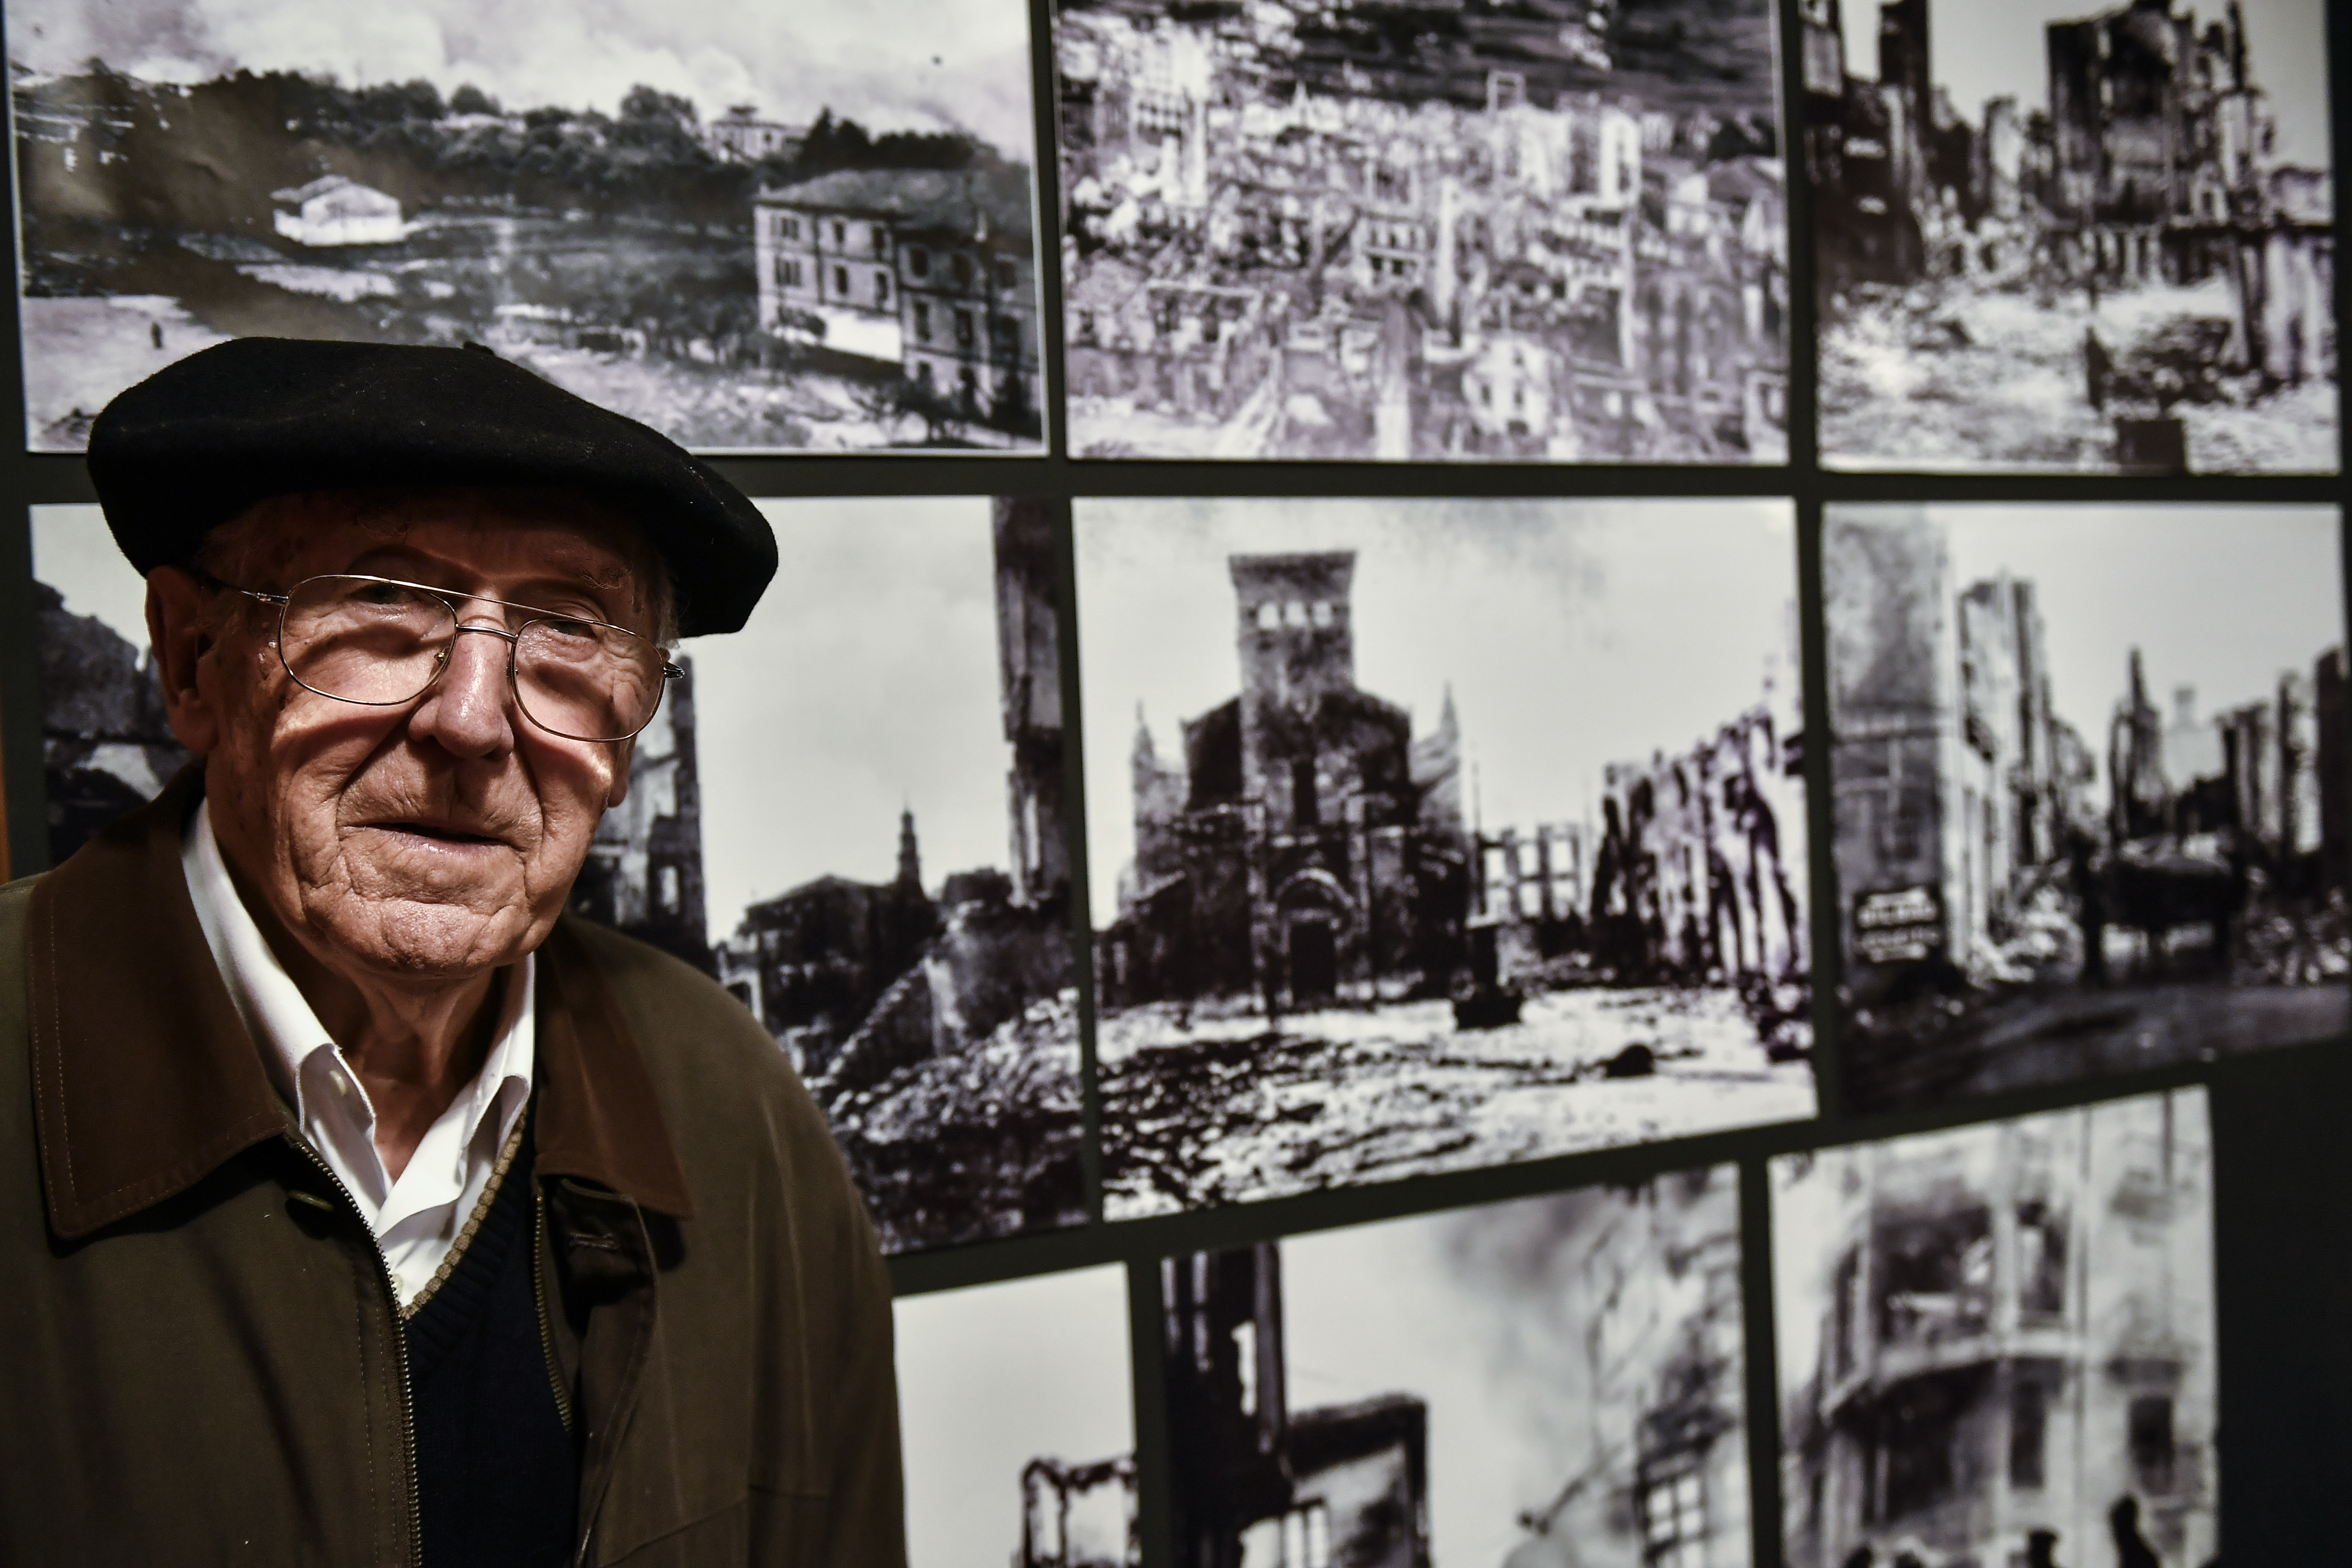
(2283, 1211)
(1761, 1361)
(1148, 1349)
(2282, 1178)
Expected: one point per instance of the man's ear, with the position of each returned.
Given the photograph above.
(178, 631)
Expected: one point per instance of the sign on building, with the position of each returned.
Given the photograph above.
(1899, 925)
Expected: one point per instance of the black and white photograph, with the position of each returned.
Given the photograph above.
(851, 813)
(1996, 1344)
(1018, 1415)
(757, 227)
(2089, 789)
(2073, 235)
(105, 743)
(885, 860)
(1555, 1383)
(1432, 835)
(1498, 230)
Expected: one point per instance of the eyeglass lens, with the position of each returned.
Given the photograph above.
(363, 639)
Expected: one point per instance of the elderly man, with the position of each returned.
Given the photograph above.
(361, 1206)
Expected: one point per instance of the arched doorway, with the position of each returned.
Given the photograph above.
(1313, 916)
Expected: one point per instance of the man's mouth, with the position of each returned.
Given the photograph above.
(440, 832)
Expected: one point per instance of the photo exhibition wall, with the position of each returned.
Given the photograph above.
(1536, 783)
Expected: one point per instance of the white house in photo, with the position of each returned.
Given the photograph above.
(336, 210)
(741, 136)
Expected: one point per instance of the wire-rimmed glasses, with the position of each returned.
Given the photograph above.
(381, 643)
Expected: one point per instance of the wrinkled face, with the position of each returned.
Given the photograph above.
(432, 841)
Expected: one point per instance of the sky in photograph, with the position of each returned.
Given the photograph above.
(893, 63)
(867, 680)
(1478, 1314)
(1981, 49)
(992, 1377)
(73, 554)
(2220, 598)
(1572, 634)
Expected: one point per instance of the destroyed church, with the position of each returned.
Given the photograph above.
(1306, 847)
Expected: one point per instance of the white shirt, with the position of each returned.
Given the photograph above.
(418, 1217)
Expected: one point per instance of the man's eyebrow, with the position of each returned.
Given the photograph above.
(543, 575)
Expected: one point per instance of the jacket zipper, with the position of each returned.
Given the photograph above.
(539, 1289)
(399, 1350)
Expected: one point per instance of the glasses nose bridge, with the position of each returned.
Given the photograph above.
(514, 645)
(513, 638)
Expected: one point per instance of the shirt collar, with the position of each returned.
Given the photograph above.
(286, 1027)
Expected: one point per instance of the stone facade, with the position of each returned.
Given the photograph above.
(1668, 1483)
(2019, 1336)
(644, 870)
(1029, 671)
(1952, 772)
(931, 270)
(1309, 846)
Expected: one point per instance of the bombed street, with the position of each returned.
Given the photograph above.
(1223, 1111)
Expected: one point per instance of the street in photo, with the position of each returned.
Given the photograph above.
(2058, 236)
(2089, 789)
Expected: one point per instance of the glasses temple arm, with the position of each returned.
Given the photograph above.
(207, 580)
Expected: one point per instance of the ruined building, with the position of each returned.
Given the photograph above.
(1029, 674)
(2156, 160)
(812, 963)
(1695, 870)
(643, 871)
(1253, 1480)
(1701, 857)
(1953, 774)
(1307, 845)
(858, 980)
(1078, 1516)
(1962, 793)
(106, 745)
(1666, 1484)
(2018, 1335)
(2254, 770)
(1251, 233)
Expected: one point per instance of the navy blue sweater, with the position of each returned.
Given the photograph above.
(498, 1474)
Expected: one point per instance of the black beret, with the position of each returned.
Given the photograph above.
(200, 441)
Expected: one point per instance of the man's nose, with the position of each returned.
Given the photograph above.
(467, 710)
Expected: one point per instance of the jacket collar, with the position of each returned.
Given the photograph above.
(145, 1081)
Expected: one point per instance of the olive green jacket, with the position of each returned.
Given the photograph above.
(200, 1355)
